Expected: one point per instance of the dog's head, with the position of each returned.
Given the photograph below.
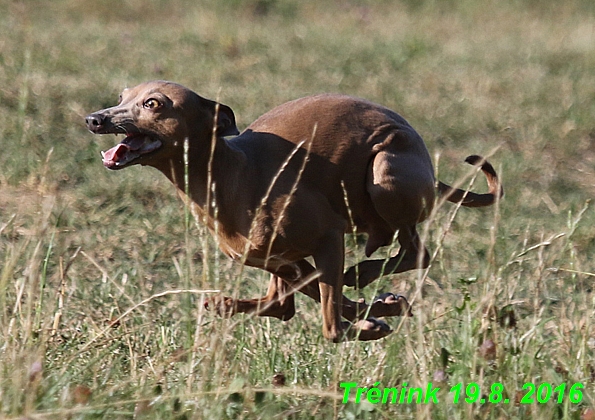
(156, 119)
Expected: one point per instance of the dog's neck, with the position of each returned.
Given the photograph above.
(210, 182)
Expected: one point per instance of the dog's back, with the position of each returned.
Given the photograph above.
(341, 135)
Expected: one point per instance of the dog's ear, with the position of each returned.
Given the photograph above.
(226, 122)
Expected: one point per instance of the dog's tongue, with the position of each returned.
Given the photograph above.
(115, 153)
(127, 145)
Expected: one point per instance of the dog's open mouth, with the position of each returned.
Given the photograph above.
(132, 147)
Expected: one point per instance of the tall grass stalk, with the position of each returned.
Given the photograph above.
(101, 289)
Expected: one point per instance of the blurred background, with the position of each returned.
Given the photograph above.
(79, 245)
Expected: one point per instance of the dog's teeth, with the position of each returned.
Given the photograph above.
(103, 154)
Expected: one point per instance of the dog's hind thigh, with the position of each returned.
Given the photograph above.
(401, 186)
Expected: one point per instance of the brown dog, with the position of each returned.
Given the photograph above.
(289, 187)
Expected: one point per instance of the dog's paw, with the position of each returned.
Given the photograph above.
(371, 329)
(224, 306)
(389, 304)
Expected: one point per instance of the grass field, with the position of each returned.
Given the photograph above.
(101, 272)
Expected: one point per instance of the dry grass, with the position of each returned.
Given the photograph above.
(97, 320)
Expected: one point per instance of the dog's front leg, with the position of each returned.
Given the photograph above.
(329, 262)
(278, 302)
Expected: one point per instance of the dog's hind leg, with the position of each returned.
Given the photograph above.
(401, 186)
(408, 258)
(279, 300)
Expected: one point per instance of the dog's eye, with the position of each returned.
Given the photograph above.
(152, 103)
(120, 99)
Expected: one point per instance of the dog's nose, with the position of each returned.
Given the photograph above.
(94, 121)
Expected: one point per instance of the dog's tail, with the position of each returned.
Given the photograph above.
(471, 199)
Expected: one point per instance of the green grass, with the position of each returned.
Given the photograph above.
(81, 247)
